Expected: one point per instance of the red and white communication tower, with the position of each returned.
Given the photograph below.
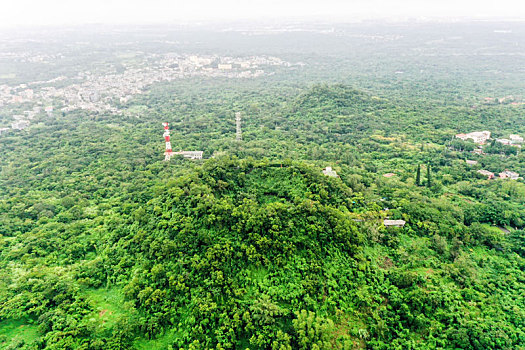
(169, 152)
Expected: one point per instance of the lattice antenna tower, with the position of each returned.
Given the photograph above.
(238, 132)
(168, 153)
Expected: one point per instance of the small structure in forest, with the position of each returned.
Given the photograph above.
(507, 174)
(238, 131)
(477, 137)
(169, 152)
(328, 171)
(394, 223)
(505, 142)
(488, 174)
(20, 124)
(513, 140)
(49, 111)
(190, 154)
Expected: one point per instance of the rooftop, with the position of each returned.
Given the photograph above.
(396, 223)
(329, 172)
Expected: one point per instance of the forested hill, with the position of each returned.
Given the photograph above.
(239, 251)
(105, 246)
(336, 100)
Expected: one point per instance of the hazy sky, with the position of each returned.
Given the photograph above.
(37, 12)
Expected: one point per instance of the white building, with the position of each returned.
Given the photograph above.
(190, 154)
(476, 136)
(20, 124)
(488, 174)
(505, 142)
(511, 142)
(328, 171)
(394, 223)
(507, 174)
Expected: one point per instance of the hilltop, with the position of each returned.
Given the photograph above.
(263, 254)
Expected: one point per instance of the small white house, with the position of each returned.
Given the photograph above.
(394, 223)
(488, 174)
(190, 154)
(477, 136)
(507, 174)
(328, 171)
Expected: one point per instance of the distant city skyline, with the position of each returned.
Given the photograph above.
(15, 13)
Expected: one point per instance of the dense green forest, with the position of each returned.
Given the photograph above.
(106, 246)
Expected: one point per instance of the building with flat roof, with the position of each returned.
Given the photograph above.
(477, 136)
(488, 174)
(505, 142)
(328, 171)
(507, 174)
(20, 124)
(190, 154)
(394, 223)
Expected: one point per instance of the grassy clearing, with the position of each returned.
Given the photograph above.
(15, 334)
(163, 342)
(108, 305)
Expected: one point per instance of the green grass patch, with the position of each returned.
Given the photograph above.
(136, 109)
(108, 305)
(16, 334)
(163, 342)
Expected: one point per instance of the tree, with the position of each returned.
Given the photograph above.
(429, 180)
(418, 175)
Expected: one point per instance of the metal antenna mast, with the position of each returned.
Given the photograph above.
(168, 152)
(238, 134)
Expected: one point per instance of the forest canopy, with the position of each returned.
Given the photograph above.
(259, 245)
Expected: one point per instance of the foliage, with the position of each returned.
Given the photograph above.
(104, 246)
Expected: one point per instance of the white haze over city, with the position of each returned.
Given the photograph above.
(14, 13)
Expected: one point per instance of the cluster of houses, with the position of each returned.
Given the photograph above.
(104, 92)
(506, 174)
(513, 140)
(503, 100)
(481, 138)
